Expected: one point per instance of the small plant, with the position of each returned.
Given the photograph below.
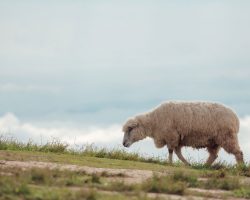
(95, 178)
(55, 146)
(164, 185)
(106, 174)
(243, 193)
(222, 173)
(90, 195)
(223, 183)
(243, 170)
(120, 186)
(190, 179)
(10, 186)
(39, 175)
(72, 180)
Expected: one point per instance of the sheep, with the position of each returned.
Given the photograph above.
(193, 124)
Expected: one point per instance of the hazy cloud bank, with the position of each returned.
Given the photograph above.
(11, 125)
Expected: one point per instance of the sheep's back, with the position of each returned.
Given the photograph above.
(200, 119)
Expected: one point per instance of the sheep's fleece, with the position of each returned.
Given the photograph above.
(195, 124)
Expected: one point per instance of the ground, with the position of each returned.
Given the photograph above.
(40, 175)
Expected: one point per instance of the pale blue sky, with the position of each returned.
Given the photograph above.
(99, 62)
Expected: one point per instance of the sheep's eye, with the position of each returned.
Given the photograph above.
(130, 129)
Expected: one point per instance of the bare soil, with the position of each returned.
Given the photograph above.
(128, 176)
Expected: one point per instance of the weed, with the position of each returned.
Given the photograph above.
(243, 170)
(106, 174)
(88, 195)
(10, 186)
(164, 185)
(95, 178)
(190, 179)
(228, 183)
(119, 186)
(55, 146)
(243, 193)
(39, 175)
(222, 173)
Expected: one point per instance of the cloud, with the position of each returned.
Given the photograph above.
(10, 124)
(244, 135)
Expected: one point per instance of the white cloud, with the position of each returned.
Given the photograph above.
(244, 135)
(10, 124)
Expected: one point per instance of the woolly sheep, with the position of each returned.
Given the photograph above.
(194, 124)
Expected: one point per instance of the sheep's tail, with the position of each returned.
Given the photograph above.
(237, 125)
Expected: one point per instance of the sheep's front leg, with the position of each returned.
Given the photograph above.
(213, 154)
(170, 156)
(177, 150)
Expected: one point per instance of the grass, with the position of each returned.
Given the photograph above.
(92, 151)
(11, 143)
(164, 184)
(190, 179)
(56, 146)
(57, 184)
(243, 193)
(62, 184)
(10, 189)
(230, 183)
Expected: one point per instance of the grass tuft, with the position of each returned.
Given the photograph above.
(95, 178)
(164, 184)
(190, 179)
(243, 193)
(227, 183)
(10, 186)
(55, 145)
(116, 153)
(120, 186)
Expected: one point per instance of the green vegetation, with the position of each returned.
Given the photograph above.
(243, 192)
(10, 189)
(56, 184)
(165, 184)
(56, 146)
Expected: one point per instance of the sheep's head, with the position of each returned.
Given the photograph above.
(133, 132)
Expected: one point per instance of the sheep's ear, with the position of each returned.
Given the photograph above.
(130, 125)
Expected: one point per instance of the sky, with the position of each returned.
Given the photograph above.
(77, 70)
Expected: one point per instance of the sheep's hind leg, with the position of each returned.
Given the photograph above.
(170, 156)
(213, 154)
(231, 145)
(177, 150)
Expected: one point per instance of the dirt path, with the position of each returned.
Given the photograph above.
(126, 175)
